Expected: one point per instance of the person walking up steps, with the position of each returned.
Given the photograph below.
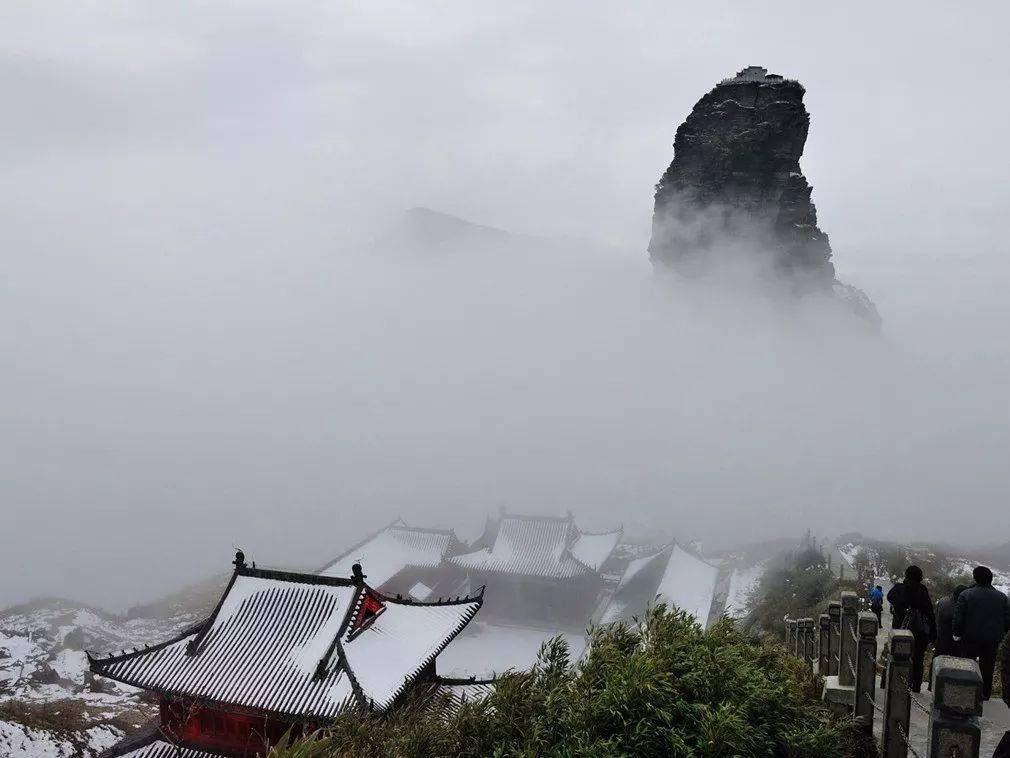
(877, 602)
(981, 618)
(912, 609)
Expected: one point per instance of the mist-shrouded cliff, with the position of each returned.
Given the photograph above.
(734, 202)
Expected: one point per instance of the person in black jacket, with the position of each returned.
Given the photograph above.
(944, 644)
(981, 618)
(1004, 669)
(1003, 748)
(912, 609)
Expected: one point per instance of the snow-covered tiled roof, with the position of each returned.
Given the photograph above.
(485, 650)
(399, 643)
(689, 584)
(420, 591)
(464, 690)
(161, 749)
(278, 642)
(592, 550)
(150, 742)
(540, 547)
(672, 576)
(393, 549)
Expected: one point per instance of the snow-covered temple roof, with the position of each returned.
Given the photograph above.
(689, 583)
(393, 549)
(487, 650)
(297, 645)
(540, 546)
(465, 690)
(151, 744)
(673, 576)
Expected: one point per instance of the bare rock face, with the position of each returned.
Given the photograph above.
(734, 198)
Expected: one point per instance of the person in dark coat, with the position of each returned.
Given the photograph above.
(981, 618)
(945, 644)
(912, 609)
(1004, 670)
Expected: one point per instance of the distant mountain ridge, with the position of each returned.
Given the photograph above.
(426, 231)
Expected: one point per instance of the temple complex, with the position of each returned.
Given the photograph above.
(285, 652)
(539, 569)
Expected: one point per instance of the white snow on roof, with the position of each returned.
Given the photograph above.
(742, 582)
(487, 649)
(635, 567)
(621, 605)
(400, 642)
(615, 611)
(391, 551)
(592, 550)
(263, 647)
(540, 547)
(466, 692)
(689, 584)
(161, 749)
(420, 591)
(255, 652)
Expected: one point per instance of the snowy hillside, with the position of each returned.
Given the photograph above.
(50, 704)
(887, 560)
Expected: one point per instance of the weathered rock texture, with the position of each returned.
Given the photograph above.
(734, 196)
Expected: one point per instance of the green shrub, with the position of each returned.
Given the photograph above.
(798, 590)
(664, 687)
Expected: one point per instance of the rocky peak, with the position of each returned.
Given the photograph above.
(735, 196)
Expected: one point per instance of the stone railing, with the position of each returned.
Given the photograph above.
(845, 655)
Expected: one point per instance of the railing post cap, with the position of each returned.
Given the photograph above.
(901, 643)
(825, 620)
(867, 623)
(850, 601)
(957, 686)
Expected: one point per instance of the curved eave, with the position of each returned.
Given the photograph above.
(467, 618)
(96, 663)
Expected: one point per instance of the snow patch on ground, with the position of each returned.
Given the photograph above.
(17, 741)
(42, 661)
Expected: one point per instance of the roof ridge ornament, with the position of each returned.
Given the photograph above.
(239, 562)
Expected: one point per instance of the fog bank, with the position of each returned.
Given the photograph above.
(202, 348)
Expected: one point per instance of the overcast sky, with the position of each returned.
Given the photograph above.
(199, 352)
